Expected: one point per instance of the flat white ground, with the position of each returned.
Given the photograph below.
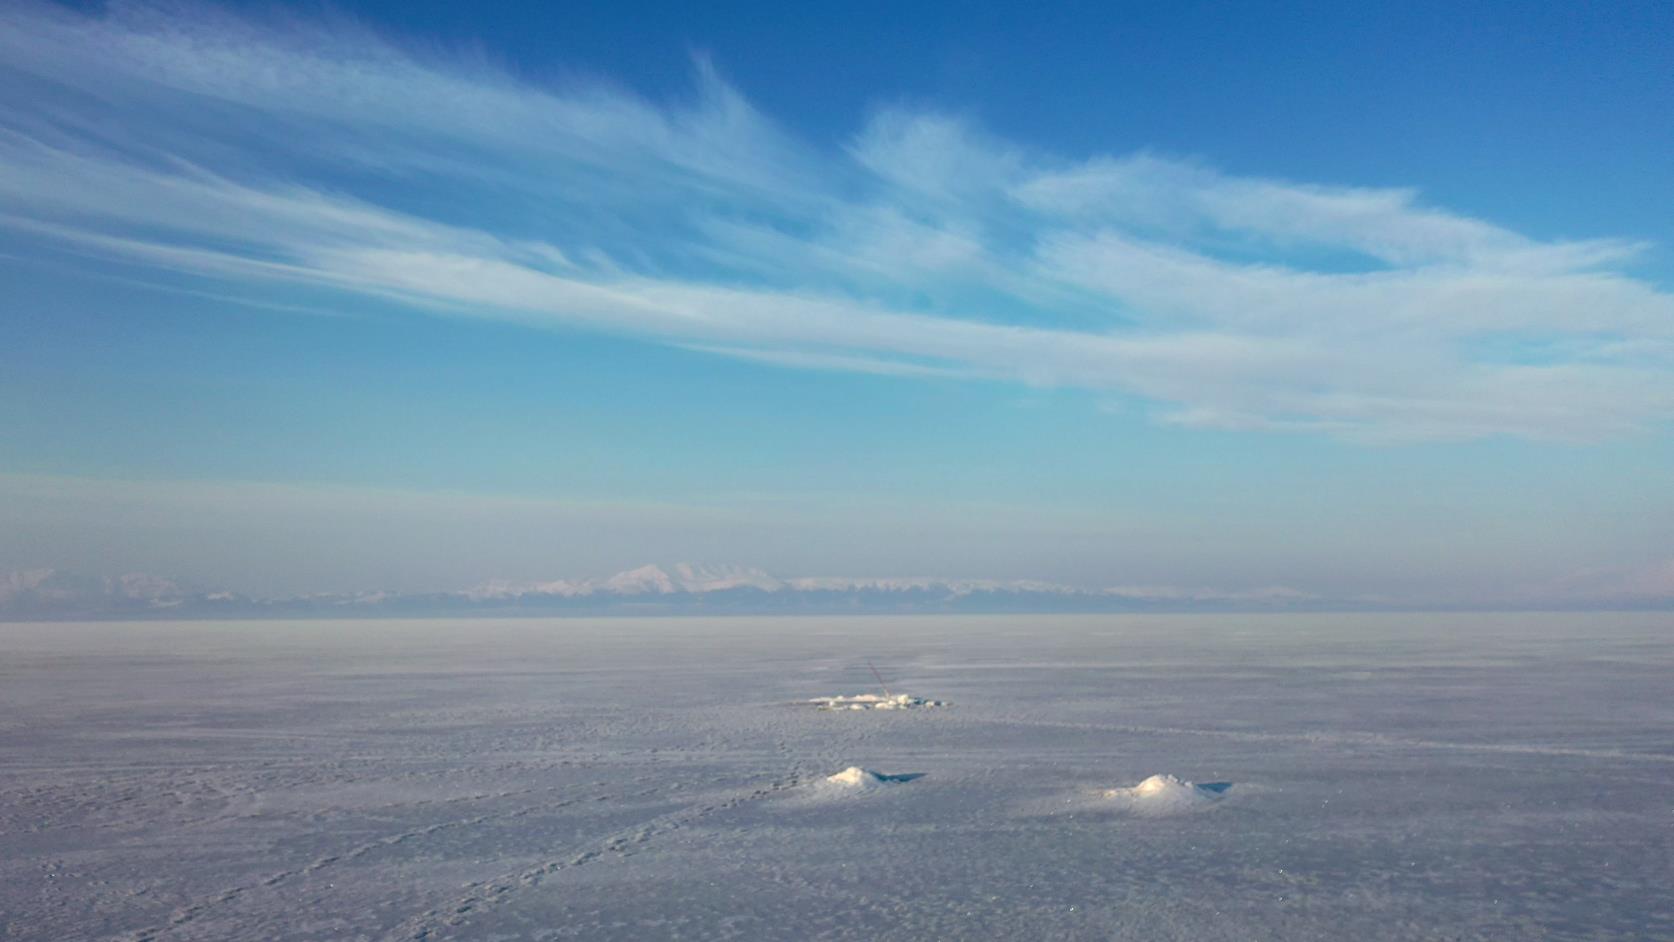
(1387, 777)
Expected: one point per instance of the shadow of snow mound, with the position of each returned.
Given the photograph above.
(872, 701)
(1164, 795)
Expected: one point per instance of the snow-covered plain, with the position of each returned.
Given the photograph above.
(1368, 777)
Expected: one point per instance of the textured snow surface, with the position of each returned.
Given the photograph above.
(1356, 777)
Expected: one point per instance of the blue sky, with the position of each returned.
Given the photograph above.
(1364, 301)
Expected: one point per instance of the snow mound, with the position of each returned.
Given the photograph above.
(856, 777)
(856, 780)
(872, 701)
(855, 783)
(1162, 795)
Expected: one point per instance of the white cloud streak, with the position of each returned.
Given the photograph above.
(207, 145)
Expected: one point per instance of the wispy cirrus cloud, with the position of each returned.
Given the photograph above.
(318, 154)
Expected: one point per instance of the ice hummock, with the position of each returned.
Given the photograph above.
(858, 778)
(874, 701)
(1162, 795)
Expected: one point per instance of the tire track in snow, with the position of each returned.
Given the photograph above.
(488, 893)
(1355, 739)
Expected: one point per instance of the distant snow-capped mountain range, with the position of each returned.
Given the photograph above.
(646, 580)
(680, 589)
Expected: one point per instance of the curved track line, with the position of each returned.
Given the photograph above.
(191, 912)
(488, 893)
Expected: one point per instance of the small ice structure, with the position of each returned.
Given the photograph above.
(1162, 795)
(855, 778)
(873, 701)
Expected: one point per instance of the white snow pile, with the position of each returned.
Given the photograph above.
(847, 785)
(1163, 795)
(853, 783)
(856, 779)
(873, 701)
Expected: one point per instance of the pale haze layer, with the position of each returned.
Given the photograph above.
(359, 302)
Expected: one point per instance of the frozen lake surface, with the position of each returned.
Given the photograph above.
(1335, 777)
